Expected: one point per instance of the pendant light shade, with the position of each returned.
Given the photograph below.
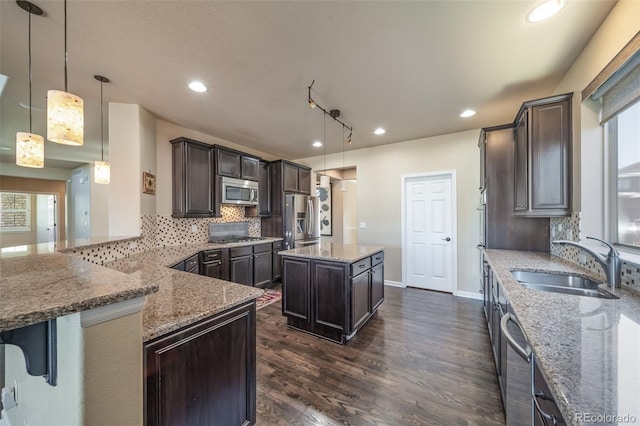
(102, 172)
(65, 118)
(29, 150)
(65, 111)
(29, 146)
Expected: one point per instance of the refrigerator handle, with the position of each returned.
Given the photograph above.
(310, 217)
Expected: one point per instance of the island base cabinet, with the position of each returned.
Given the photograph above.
(326, 299)
(204, 374)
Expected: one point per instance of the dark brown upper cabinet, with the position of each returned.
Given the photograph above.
(264, 189)
(193, 179)
(543, 157)
(236, 164)
(296, 178)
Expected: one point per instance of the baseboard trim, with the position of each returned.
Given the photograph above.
(394, 284)
(469, 295)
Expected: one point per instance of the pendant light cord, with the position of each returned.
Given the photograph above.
(101, 122)
(324, 141)
(30, 129)
(65, 46)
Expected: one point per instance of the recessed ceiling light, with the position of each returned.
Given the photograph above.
(197, 86)
(379, 131)
(545, 10)
(317, 144)
(467, 113)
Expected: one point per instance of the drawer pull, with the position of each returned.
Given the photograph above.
(361, 266)
(549, 417)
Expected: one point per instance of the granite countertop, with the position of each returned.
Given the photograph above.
(183, 298)
(336, 252)
(586, 348)
(38, 284)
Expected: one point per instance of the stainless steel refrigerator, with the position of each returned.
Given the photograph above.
(301, 221)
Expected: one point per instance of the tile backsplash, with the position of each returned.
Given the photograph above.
(162, 231)
(568, 228)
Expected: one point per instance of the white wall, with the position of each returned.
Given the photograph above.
(100, 376)
(615, 32)
(99, 207)
(131, 151)
(379, 194)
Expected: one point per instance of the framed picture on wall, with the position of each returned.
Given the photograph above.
(148, 183)
(326, 222)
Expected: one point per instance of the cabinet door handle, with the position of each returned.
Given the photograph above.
(446, 239)
(549, 417)
(525, 353)
(520, 206)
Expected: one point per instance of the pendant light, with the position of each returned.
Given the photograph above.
(343, 184)
(65, 111)
(29, 146)
(324, 179)
(102, 169)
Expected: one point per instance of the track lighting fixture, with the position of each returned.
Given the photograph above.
(334, 113)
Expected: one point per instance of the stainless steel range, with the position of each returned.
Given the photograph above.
(230, 232)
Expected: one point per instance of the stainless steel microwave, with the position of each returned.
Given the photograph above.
(239, 192)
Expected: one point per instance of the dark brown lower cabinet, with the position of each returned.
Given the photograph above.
(331, 299)
(204, 374)
(377, 285)
(545, 409)
(262, 269)
(241, 270)
(213, 269)
(360, 299)
(295, 296)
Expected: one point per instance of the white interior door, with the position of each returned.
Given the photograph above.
(45, 218)
(429, 232)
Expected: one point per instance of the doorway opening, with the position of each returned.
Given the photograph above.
(27, 218)
(429, 243)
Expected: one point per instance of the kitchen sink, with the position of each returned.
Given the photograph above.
(557, 282)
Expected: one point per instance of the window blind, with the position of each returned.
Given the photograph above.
(620, 90)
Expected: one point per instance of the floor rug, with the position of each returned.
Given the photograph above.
(268, 298)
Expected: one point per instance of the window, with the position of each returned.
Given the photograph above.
(624, 135)
(16, 212)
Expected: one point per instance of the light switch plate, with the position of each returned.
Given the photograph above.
(363, 225)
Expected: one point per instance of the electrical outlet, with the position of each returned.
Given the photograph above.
(582, 259)
(363, 225)
(194, 229)
(133, 245)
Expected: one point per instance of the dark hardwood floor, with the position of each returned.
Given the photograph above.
(425, 360)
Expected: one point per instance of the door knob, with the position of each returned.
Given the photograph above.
(446, 239)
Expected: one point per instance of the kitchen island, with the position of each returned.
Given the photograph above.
(586, 349)
(331, 290)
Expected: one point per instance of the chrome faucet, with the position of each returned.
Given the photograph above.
(611, 264)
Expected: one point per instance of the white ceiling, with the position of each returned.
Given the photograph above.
(411, 67)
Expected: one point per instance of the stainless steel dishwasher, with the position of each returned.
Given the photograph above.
(518, 406)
